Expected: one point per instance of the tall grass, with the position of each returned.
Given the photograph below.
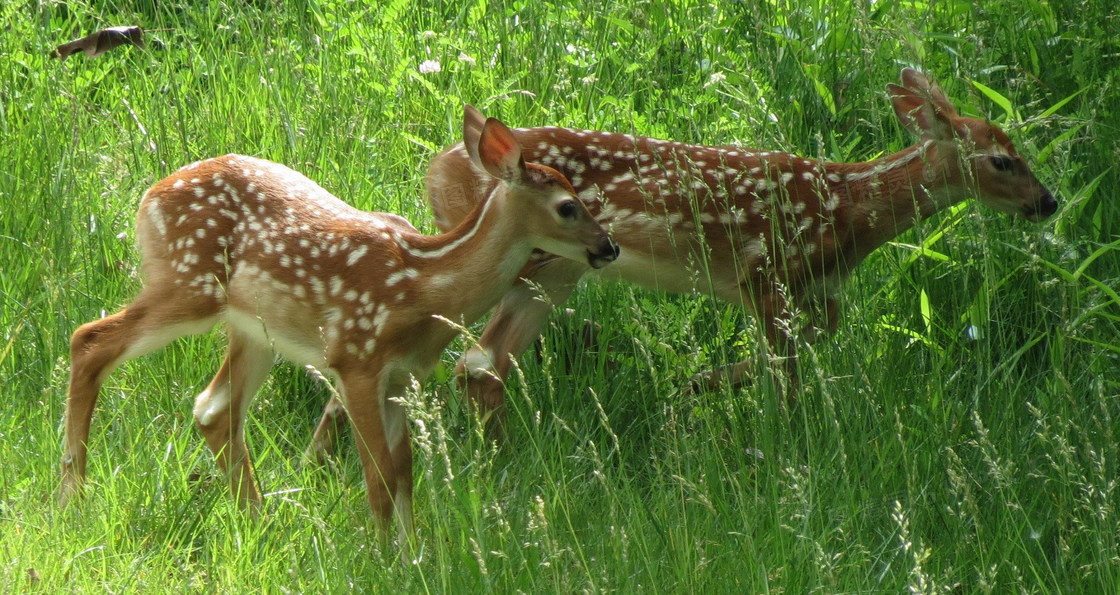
(958, 434)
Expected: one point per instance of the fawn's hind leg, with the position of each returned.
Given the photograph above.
(154, 319)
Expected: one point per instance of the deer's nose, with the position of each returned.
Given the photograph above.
(1047, 205)
(607, 251)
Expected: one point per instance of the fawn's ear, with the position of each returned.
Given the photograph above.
(922, 106)
(473, 121)
(499, 152)
(917, 80)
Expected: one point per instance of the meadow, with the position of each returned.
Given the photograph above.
(959, 433)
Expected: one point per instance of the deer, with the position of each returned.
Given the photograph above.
(773, 232)
(293, 271)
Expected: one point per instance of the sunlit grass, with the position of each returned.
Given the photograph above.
(958, 433)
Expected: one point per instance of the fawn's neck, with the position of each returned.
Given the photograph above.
(888, 196)
(469, 268)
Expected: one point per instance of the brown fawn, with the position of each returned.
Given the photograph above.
(363, 297)
(772, 231)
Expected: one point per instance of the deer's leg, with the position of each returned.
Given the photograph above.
(380, 432)
(400, 449)
(220, 411)
(151, 321)
(822, 318)
(515, 324)
(773, 313)
(829, 316)
(326, 433)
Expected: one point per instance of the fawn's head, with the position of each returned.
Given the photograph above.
(990, 167)
(545, 202)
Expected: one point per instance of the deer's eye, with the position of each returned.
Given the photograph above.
(567, 209)
(1001, 162)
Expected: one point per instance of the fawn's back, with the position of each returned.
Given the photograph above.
(275, 251)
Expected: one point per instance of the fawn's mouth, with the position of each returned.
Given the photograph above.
(605, 256)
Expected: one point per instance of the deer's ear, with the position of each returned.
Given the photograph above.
(920, 112)
(499, 152)
(924, 86)
(473, 121)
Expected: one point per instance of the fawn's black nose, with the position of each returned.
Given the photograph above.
(1047, 205)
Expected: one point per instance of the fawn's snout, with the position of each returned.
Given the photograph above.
(604, 253)
(1042, 209)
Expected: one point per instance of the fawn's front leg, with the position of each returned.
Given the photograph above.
(515, 324)
(773, 312)
(380, 431)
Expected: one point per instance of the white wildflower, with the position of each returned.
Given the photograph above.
(463, 57)
(430, 66)
(715, 79)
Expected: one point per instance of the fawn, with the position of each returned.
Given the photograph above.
(292, 270)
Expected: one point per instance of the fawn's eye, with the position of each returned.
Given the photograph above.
(1001, 162)
(567, 209)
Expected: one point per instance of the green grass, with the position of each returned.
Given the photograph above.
(919, 455)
